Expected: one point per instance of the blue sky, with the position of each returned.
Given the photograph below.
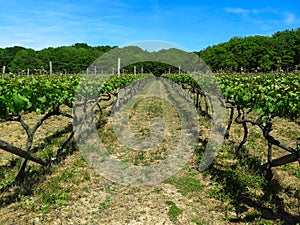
(191, 24)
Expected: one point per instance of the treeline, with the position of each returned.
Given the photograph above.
(279, 52)
(65, 59)
(73, 60)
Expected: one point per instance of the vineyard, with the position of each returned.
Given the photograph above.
(254, 178)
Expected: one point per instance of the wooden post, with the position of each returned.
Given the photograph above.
(142, 70)
(3, 72)
(179, 70)
(95, 70)
(169, 71)
(50, 68)
(134, 70)
(87, 71)
(119, 66)
(27, 72)
(118, 90)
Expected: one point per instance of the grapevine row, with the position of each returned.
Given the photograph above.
(268, 95)
(46, 95)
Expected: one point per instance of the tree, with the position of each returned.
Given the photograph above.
(25, 59)
(8, 54)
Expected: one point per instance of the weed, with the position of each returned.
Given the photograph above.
(197, 222)
(173, 212)
(157, 190)
(45, 207)
(186, 185)
(86, 175)
(261, 221)
(140, 157)
(56, 197)
(143, 212)
(105, 204)
(216, 192)
(30, 202)
(79, 162)
(67, 175)
(297, 173)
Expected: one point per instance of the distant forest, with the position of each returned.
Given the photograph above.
(279, 52)
(65, 59)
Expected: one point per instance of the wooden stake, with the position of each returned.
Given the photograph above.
(50, 67)
(3, 72)
(119, 66)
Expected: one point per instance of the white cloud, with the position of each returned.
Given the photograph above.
(237, 10)
(266, 18)
(289, 18)
(41, 28)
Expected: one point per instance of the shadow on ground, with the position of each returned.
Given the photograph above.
(239, 178)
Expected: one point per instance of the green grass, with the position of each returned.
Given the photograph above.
(105, 204)
(217, 192)
(58, 192)
(173, 212)
(143, 212)
(197, 222)
(79, 162)
(297, 172)
(186, 185)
